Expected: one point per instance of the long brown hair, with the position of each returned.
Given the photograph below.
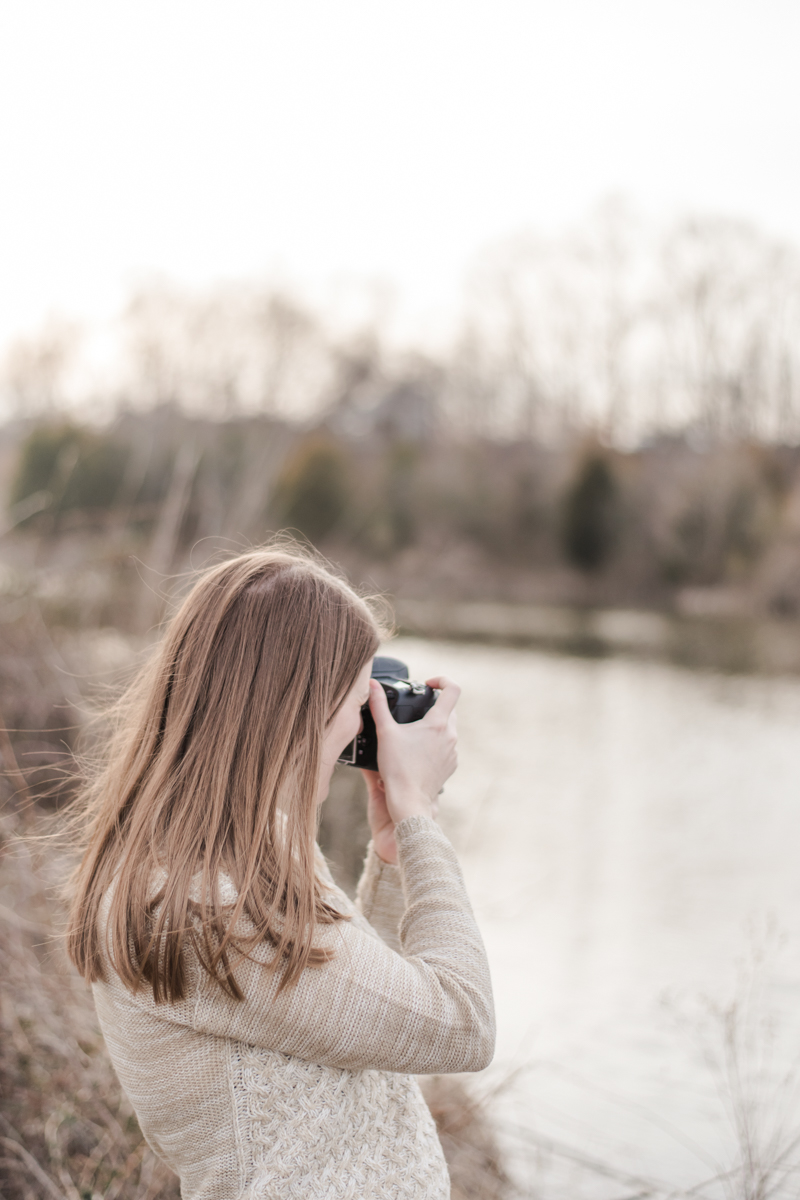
(212, 771)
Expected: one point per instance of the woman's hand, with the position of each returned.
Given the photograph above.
(414, 762)
(380, 823)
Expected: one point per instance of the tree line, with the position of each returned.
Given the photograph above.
(579, 522)
(615, 420)
(611, 327)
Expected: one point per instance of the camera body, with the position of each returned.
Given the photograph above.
(408, 701)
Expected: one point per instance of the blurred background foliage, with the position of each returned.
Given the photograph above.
(614, 420)
(448, 515)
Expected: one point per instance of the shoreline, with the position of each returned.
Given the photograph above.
(730, 644)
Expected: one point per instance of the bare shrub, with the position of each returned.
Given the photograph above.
(67, 1130)
(468, 1140)
(755, 1066)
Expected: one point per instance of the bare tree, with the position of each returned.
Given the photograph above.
(228, 351)
(551, 320)
(729, 313)
(614, 328)
(35, 370)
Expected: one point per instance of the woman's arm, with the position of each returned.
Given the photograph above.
(416, 762)
(379, 896)
(426, 1010)
(380, 899)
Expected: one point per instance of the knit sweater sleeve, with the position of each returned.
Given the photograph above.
(380, 899)
(426, 1009)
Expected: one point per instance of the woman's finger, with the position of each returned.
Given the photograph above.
(379, 705)
(447, 699)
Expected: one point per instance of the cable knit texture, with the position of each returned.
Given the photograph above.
(309, 1093)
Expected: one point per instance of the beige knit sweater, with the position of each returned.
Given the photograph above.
(309, 1093)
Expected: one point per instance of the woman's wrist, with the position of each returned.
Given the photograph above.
(404, 802)
(384, 842)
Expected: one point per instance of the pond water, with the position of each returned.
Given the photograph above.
(630, 834)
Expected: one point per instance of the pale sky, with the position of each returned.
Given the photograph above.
(321, 139)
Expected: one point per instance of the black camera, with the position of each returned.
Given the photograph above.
(408, 702)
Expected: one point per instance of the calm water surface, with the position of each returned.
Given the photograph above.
(630, 835)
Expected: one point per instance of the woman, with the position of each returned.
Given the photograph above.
(265, 1028)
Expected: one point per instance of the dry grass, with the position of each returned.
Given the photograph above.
(67, 1128)
(468, 1140)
